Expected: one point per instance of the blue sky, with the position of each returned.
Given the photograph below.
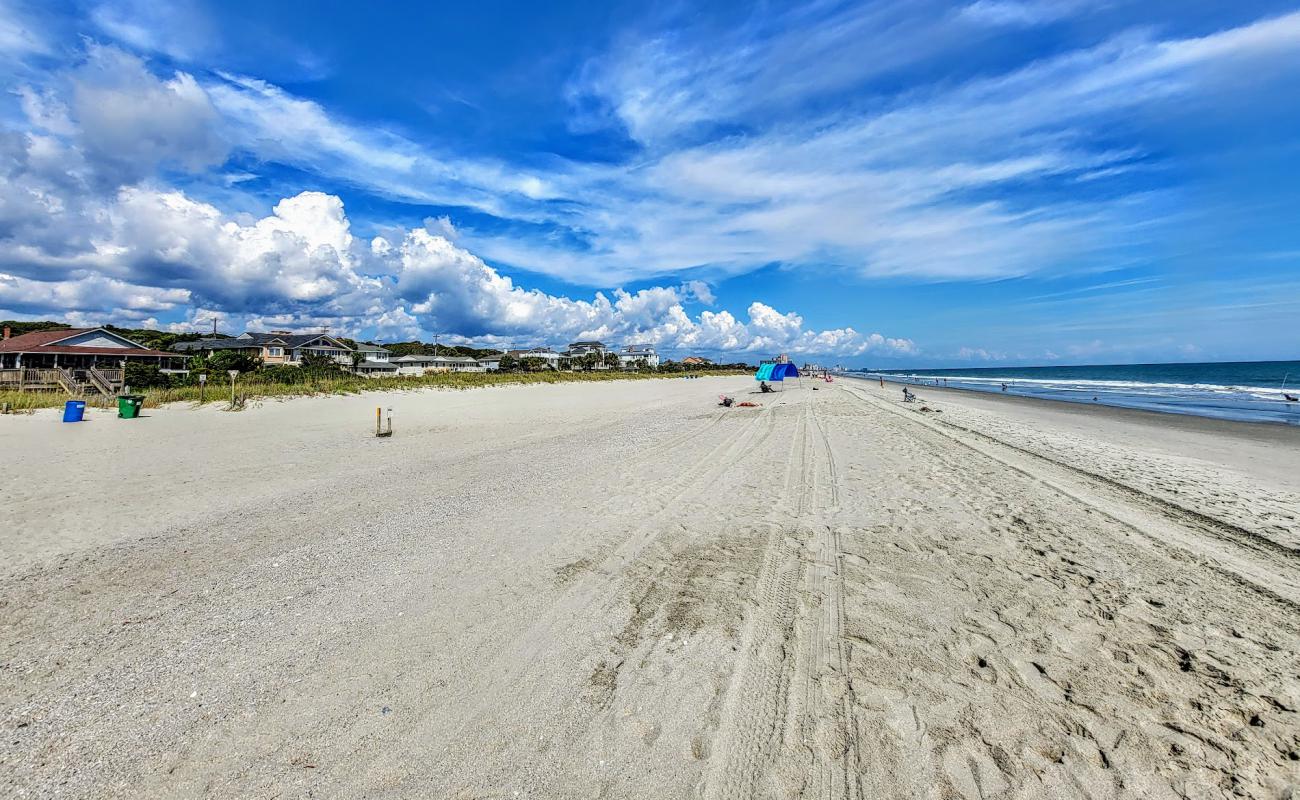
(908, 183)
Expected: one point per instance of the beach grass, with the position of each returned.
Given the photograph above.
(219, 392)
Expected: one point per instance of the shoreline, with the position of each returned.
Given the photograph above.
(1060, 401)
(1268, 429)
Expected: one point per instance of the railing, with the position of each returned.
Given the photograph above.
(29, 379)
(100, 380)
(74, 381)
(68, 381)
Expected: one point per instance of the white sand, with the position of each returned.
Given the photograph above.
(622, 590)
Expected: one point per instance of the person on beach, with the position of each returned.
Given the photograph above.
(1004, 387)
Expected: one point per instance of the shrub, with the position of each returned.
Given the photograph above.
(145, 376)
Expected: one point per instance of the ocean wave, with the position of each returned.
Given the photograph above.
(1083, 384)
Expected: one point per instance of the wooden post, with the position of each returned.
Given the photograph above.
(379, 423)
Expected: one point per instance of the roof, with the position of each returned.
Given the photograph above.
(587, 343)
(639, 348)
(370, 348)
(415, 359)
(288, 339)
(216, 344)
(38, 338)
(368, 364)
(44, 342)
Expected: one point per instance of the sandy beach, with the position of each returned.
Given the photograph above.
(623, 590)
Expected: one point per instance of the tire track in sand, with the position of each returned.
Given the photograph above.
(787, 723)
(1261, 565)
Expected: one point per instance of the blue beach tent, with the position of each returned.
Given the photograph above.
(776, 372)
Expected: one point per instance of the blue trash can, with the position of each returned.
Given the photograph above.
(73, 410)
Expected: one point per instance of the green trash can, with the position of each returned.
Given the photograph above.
(128, 405)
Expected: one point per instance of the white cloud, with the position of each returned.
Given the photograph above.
(1019, 13)
(301, 267)
(19, 36)
(129, 122)
(92, 293)
(901, 187)
(700, 291)
(979, 354)
(177, 28)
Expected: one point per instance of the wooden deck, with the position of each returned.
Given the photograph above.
(76, 382)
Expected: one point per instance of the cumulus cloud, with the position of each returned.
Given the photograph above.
(446, 288)
(143, 251)
(94, 294)
(129, 121)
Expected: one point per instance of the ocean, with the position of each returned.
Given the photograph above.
(1249, 390)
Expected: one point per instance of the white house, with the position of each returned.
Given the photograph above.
(634, 354)
(421, 364)
(582, 349)
(546, 354)
(372, 352)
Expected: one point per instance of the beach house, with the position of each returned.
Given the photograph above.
(549, 357)
(76, 360)
(276, 347)
(371, 352)
(422, 364)
(634, 356)
(588, 352)
(372, 361)
(580, 349)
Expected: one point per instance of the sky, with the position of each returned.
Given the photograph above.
(869, 184)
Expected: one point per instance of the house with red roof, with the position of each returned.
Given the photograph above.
(78, 360)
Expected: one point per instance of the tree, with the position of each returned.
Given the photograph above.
(225, 360)
(139, 375)
(533, 364)
(508, 363)
(612, 361)
(319, 363)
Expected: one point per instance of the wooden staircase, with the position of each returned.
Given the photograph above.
(101, 382)
(69, 382)
(81, 383)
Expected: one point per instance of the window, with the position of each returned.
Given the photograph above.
(275, 351)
